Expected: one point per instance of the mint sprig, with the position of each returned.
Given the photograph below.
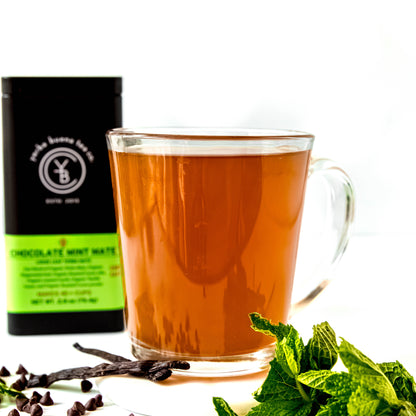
(301, 381)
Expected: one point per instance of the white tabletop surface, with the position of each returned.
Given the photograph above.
(371, 303)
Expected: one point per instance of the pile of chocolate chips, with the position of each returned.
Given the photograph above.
(79, 409)
(33, 405)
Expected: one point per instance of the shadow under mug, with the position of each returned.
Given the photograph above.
(209, 223)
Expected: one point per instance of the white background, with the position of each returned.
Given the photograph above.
(345, 71)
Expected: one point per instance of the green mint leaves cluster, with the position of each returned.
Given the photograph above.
(301, 381)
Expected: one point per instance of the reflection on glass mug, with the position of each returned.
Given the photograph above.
(209, 224)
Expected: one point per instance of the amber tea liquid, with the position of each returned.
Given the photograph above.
(207, 239)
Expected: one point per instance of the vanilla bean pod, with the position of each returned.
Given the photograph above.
(100, 353)
(158, 374)
(150, 369)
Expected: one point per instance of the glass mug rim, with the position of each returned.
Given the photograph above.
(209, 133)
(200, 141)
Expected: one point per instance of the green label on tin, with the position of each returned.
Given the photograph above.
(63, 273)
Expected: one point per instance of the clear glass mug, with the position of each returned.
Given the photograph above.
(209, 223)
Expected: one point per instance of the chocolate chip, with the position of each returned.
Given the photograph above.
(26, 407)
(91, 404)
(21, 370)
(37, 396)
(4, 372)
(13, 412)
(46, 399)
(20, 402)
(36, 410)
(73, 412)
(79, 406)
(99, 400)
(86, 386)
(32, 401)
(23, 380)
(18, 385)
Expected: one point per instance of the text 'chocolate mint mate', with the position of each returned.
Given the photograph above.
(62, 257)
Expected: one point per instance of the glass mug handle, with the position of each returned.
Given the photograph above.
(339, 205)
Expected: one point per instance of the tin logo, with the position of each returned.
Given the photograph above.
(62, 170)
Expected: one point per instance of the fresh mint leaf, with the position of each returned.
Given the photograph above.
(222, 407)
(333, 407)
(315, 378)
(366, 372)
(338, 388)
(295, 342)
(266, 327)
(289, 348)
(278, 385)
(281, 408)
(340, 385)
(403, 383)
(287, 358)
(354, 359)
(290, 351)
(407, 409)
(281, 381)
(366, 402)
(322, 349)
